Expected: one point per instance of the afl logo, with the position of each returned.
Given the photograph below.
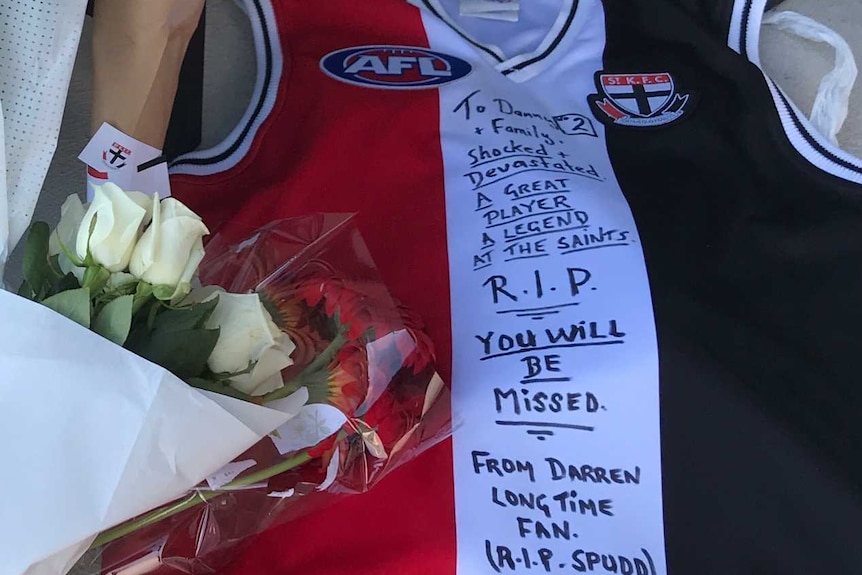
(394, 67)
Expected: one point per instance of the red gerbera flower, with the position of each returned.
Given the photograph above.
(343, 383)
(421, 353)
(292, 317)
(347, 383)
(310, 291)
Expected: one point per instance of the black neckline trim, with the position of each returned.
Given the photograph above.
(267, 80)
(552, 47)
(525, 63)
(472, 42)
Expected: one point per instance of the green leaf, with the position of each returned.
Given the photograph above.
(26, 290)
(36, 269)
(115, 320)
(143, 293)
(155, 308)
(70, 255)
(183, 352)
(138, 334)
(226, 376)
(54, 267)
(192, 316)
(66, 283)
(60, 282)
(95, 278)
(180, 294)
(121, 284)
(74, 304)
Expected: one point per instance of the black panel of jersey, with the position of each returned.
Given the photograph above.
(755, 262)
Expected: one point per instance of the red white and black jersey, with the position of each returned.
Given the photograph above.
(632, 251)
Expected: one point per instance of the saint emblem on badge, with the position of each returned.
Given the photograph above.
(638, 100)
(115, 157)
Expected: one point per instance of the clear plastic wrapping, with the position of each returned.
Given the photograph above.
(373, 396)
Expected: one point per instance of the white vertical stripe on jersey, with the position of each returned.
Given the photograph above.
(488, 123)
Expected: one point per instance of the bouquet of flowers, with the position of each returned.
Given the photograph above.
(289, 375)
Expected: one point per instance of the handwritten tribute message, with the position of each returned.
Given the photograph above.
(557, 455)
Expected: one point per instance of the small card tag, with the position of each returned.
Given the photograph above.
(112, 156)
(508, 16)
(228, 473)
(479, 6)
(504, 10)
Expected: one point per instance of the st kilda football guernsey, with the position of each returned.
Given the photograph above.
(641, 266)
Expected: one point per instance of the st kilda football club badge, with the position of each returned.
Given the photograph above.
(114, 158)
(639, 100)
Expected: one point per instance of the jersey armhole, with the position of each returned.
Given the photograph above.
(270, 67)
(744, 38)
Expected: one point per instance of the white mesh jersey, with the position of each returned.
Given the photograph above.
(38, 43)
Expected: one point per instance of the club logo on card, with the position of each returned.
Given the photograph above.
(115, 157)
(638, 100)
(394, 67)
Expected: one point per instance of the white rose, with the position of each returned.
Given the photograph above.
(171, 248)
(248, 335)
(119, 217)
(63, 239)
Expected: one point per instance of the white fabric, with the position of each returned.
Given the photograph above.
(545, 376)
(833, 95)
(37, 50)
(534, 20)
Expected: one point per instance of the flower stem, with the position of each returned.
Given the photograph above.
(328, 354)
(196, 499)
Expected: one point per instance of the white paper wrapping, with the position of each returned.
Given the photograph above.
(92, 435)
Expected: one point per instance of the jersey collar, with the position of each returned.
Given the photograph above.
(523, 66)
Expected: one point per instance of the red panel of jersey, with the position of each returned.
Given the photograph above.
(332, 147)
